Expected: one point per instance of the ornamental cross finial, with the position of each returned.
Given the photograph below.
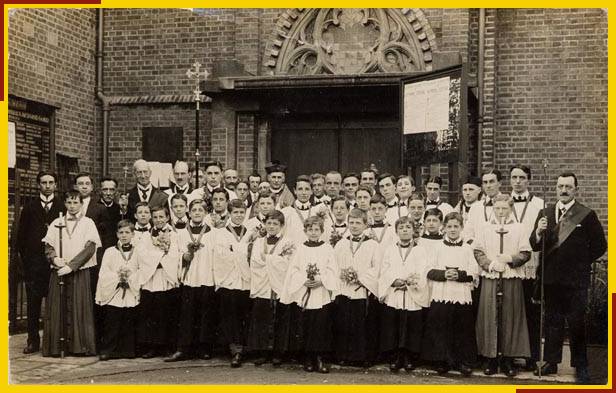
(195, 73)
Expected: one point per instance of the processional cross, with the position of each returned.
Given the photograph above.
(195, 73)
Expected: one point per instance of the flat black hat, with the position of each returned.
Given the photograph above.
(275, 166)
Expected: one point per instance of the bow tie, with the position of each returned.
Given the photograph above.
(142, 229)
(378, 225)
(71, 218)
(432, 202)
(127, 247)
(180, 190)
(520, 199)
(432, 236)
(453, 244)
(311, 243)
(272, 239)
(180, 225)
(340, 226)
(303, 207)
(356, 238)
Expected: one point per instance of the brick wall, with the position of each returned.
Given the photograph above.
(551, 75)
(51, 60)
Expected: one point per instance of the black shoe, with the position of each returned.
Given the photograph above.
(491, 367)
(442, 368)
(259, 361)
(236, 361)
(320, 366)
(178, 356)
(408, 365)
(276, 361)
(308, 366)
(582, 376)
(530, 365)
(395, 363)
(465, 370)
(205, 356)
(103, 357)
(547, 369)
(507, 368)
(31, 348)
(342, 363)
(150, 354)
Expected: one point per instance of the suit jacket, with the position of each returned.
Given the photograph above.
(111, 224)
(157, 198)
(568, 258)
(32, 228)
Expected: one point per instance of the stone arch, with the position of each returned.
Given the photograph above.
(308, 41)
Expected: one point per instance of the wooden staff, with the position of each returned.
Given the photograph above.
(60, 225)
(542, 262)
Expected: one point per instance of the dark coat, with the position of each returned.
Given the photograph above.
(568, 259)
(32, 228)
(157, 198)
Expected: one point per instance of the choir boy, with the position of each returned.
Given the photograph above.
(481, 214)
(362, 196)
(71, 266)
(380, 230)
(404, 189)
(471, 193)
(300, 210)
(449, 334)
(158, 261)
(232, 279)
(432, 235)
(142, 225)
(117, 293)
(336, 226)
(219, 216)
(269, 263)
(403, 289)
(356, 259)
(432, 187)
(501, 249)
(196, 325)
(311, 280)
(179, 209)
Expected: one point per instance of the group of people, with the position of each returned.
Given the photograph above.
(352, 268)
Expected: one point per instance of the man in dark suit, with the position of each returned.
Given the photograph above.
(34, 219)
(574, 239)
(107, 200)
(144, 190)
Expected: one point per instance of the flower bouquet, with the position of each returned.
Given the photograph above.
(311, 273)
(335, 237)
(162, 241)
(123, 274)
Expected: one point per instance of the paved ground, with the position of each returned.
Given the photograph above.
(35, 369)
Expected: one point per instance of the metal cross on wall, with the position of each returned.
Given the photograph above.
(195, 73)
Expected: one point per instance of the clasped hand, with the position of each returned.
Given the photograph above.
(313, 283)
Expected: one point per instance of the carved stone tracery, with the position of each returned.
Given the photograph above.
(350, 41)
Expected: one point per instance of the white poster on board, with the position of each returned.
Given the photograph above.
(426, 106)
(12, 146)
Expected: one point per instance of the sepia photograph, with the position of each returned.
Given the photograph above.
(307, 196)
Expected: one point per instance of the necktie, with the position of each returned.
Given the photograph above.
(520, 199)
(563, 210)
(144, 195)
(142, 229)
(46, 205)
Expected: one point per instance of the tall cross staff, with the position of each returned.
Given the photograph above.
(502, 231)
(61, 225)
(195, 73)
(542, 262)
